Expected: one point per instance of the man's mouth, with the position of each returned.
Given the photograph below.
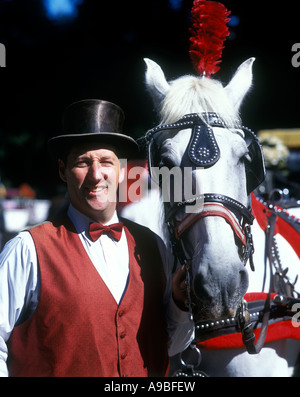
(97, 189)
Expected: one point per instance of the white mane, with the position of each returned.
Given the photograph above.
(190, 94)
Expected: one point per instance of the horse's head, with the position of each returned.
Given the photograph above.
(201, 141)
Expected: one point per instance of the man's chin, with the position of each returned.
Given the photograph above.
(101, 205)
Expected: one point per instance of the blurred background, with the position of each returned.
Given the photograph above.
(61, 51)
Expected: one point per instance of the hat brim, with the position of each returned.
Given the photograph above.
(126, 147)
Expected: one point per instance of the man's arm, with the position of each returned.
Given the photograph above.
(19, 282)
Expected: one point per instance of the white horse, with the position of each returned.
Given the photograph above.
(208, 223)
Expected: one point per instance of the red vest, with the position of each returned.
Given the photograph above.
(78, 329)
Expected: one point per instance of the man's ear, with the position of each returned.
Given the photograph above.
(62, 170)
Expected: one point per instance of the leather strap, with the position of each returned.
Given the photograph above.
(211, 209)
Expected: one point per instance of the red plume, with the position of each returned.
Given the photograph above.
(208, 32)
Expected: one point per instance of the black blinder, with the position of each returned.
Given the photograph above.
(255, 169)
(203, 149)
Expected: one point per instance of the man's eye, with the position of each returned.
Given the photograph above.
(106, 163)
(81, 163)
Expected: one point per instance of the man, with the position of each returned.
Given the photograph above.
(87, 295)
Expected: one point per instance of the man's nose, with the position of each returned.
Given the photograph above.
(97, 172)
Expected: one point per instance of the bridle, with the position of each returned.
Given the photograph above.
(203, 151)
(235, 214)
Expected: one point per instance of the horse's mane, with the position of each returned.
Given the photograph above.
(190, 94)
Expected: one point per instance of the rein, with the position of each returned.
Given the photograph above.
(278, 305)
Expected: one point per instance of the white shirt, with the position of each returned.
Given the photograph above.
(20, 282)
(110, 257)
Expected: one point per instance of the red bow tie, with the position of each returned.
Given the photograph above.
(97, 229)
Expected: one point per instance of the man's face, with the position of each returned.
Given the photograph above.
(92, 173)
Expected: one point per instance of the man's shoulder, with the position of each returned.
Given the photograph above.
(39, 227)
(22, 242)
(51, 226)
(137, 228)
(42, 225)
(144, 236)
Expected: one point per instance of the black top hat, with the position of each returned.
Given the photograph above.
(93, 120)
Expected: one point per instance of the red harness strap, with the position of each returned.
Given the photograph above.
(261, 213)
(281, 329)
(211, 209)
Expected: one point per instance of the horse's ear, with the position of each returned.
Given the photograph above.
(156, 82)
(240, 83)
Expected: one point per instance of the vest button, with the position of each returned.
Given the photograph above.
(121, 313)
(122, 335)
(123, 356)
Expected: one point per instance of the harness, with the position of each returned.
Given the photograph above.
(203, 151)
(265, 308)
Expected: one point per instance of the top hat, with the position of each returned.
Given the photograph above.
(93, 120)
